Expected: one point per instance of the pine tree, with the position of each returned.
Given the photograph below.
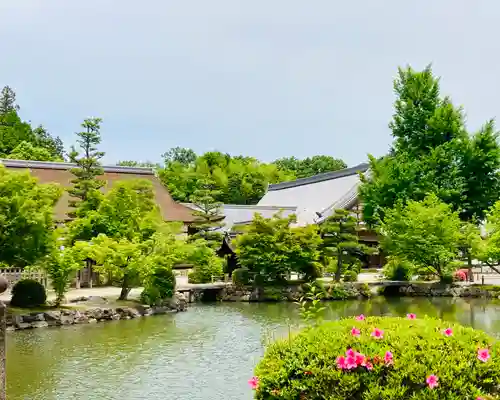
(8, 100)
(340, 241)
(85, 190)
(209, 214)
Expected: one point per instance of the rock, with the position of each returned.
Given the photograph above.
(115, 317)
(52, 317)
(39, 324)
(68, 319)
(92, 321)
(24, 325)
(10, 329)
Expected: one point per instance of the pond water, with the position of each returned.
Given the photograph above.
(206, 353)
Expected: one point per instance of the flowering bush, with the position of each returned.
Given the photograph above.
(381, 358)
(460, 275)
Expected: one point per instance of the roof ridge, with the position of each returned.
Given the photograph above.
(325, 176)
(66, 166)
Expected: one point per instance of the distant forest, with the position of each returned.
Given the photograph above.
(233, 179)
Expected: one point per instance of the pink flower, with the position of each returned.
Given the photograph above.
(350, 353)
(378, 333)
(360, 317)
(432, 381)
(448, 332)
(483, 355)
(351, 362)
(411, 316)
(479, 398)
(253, 382)
(341, 362)
(388, 357)
(369, 366)
(355, 332)
(360, 359)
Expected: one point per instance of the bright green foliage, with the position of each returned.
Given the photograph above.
(207, 264)
(304, 366)
(236, 180)
(18, 140)
(85, 190)
(272, 249)
(340, 242)
(432, 153)
(310, 304)
(62, 264)
(396, 269)
(350, 276)
(26, 218)
(310, 166)
(128, 210)
(160, 286)
(241, 277)
(26, 151)
(28, 293)
(488, 250)
(426, 233)
(140, 164)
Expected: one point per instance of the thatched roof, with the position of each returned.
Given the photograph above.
(57, 172)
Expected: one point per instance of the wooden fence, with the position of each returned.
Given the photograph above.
(13, 275)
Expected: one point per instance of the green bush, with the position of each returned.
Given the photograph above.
(28, 293)
(396, 366)
(350, 276)
(206, 264)
(160, 286)
(241, 276)
(447, 279)
(398, 270)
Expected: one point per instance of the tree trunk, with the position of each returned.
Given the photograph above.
(125, 289)
(469, 263)
(338, 272)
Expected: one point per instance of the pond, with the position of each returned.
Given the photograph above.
(206, 353)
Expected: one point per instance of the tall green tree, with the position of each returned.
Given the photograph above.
(426, 233)
(8, 100)
(180, 155)
(26, 218)
(341, 242)
(209, 213)
(432, 153)
(85, 190)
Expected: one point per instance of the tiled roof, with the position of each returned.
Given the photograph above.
(315, 196)
(57, 172)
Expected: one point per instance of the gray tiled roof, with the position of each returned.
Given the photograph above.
(66, 166)
(317, 195)
(239, 214)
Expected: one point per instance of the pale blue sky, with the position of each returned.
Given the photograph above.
(267, 78)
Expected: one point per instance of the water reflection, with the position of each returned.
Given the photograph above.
(206, 353)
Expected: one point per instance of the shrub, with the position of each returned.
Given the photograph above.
(28, 293)
(397, 269)
(460, 275)
(160, 286)
(446, 279)
(350, 276)
(241, 276)
(401, 364)
(206, 264)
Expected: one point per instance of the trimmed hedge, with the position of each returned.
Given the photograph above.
(413, 359)
(28, 293)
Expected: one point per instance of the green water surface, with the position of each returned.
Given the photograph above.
(206, 353)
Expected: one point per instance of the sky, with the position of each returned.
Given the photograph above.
(263, 78)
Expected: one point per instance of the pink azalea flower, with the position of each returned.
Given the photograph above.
(378, 333)
(411, 316)
(350, 353)
(483, 355)
(479, 398)
(448, 332)
(341, 362)
(351, 362)
(355, 332)
(369, 366)
(388, 357)
(360, 359)
(432, 381)
(360, 317)
(253, 382)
